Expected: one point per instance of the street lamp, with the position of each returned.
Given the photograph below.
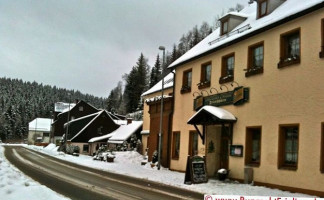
(67, 128)
(162, 48)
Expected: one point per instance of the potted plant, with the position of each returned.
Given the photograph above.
(222, 174)
(110, 158)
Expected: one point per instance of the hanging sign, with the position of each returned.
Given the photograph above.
(238, 96)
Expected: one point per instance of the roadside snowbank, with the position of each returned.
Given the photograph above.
(16, 185)
(129, 163)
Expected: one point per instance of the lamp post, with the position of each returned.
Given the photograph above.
(67, 128)
(162, 48)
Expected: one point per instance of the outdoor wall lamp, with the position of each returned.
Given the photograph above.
(202, 94)
(213, 89)
(235, 83)
(221, 87)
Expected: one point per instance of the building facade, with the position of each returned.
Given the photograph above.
(151, 120)
(264, 65)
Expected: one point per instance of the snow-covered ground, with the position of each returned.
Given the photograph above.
(129, 163)
(15, 185)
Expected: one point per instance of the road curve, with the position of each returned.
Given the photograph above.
(80, 182)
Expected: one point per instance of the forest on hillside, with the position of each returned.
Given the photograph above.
(21, 102)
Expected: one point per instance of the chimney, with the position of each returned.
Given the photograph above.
(129, 120)
(76, 101)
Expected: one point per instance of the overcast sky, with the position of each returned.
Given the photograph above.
(88, 45)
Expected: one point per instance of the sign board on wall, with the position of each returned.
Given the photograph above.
(238, 96)
(236, 150)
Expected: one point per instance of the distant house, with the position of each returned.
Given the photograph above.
(81, 130)
(80, 109)
(39, 130)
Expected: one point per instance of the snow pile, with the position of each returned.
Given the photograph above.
(129, 163)
(15, 185)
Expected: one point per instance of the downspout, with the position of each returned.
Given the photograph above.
(171, 119)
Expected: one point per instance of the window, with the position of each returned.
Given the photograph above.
(322, 149)
(255, 59)
(193, 143)
(176, 145)
(224, 27)
(288, 146)
(321, 54)
(85, 148)
(253, 146)
(205, 76)
(99, 130)
(81, 108)
(289, 48)
(262, 8)
(45, 134)
(186, 81)
(227, 68)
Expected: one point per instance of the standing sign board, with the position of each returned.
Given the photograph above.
(196, 170)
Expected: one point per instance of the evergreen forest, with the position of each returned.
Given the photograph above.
(21, 102)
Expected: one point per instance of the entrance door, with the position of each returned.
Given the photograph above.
(224, 153)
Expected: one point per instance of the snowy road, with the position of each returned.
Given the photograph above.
(79, 182)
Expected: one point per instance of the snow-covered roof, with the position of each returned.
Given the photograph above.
(157, 98)
(67, 109)
(104, 137)
(168, 83)
(125, 131)
(63, 107)
(219, 113)
(239, 14)
(250, 25)
(40, 124)
(80, 118)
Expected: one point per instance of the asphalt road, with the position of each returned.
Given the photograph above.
(79, 182)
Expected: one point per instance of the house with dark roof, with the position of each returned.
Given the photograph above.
(81, 130)
(80, 109)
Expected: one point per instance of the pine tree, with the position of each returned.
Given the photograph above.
(136, 84)
(174, 54)
(204, 30)
(155, 72)
(115, 98)
(195, 37)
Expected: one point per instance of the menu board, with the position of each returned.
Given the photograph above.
(196, 170)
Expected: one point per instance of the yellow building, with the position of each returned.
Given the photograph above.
(250, 97)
